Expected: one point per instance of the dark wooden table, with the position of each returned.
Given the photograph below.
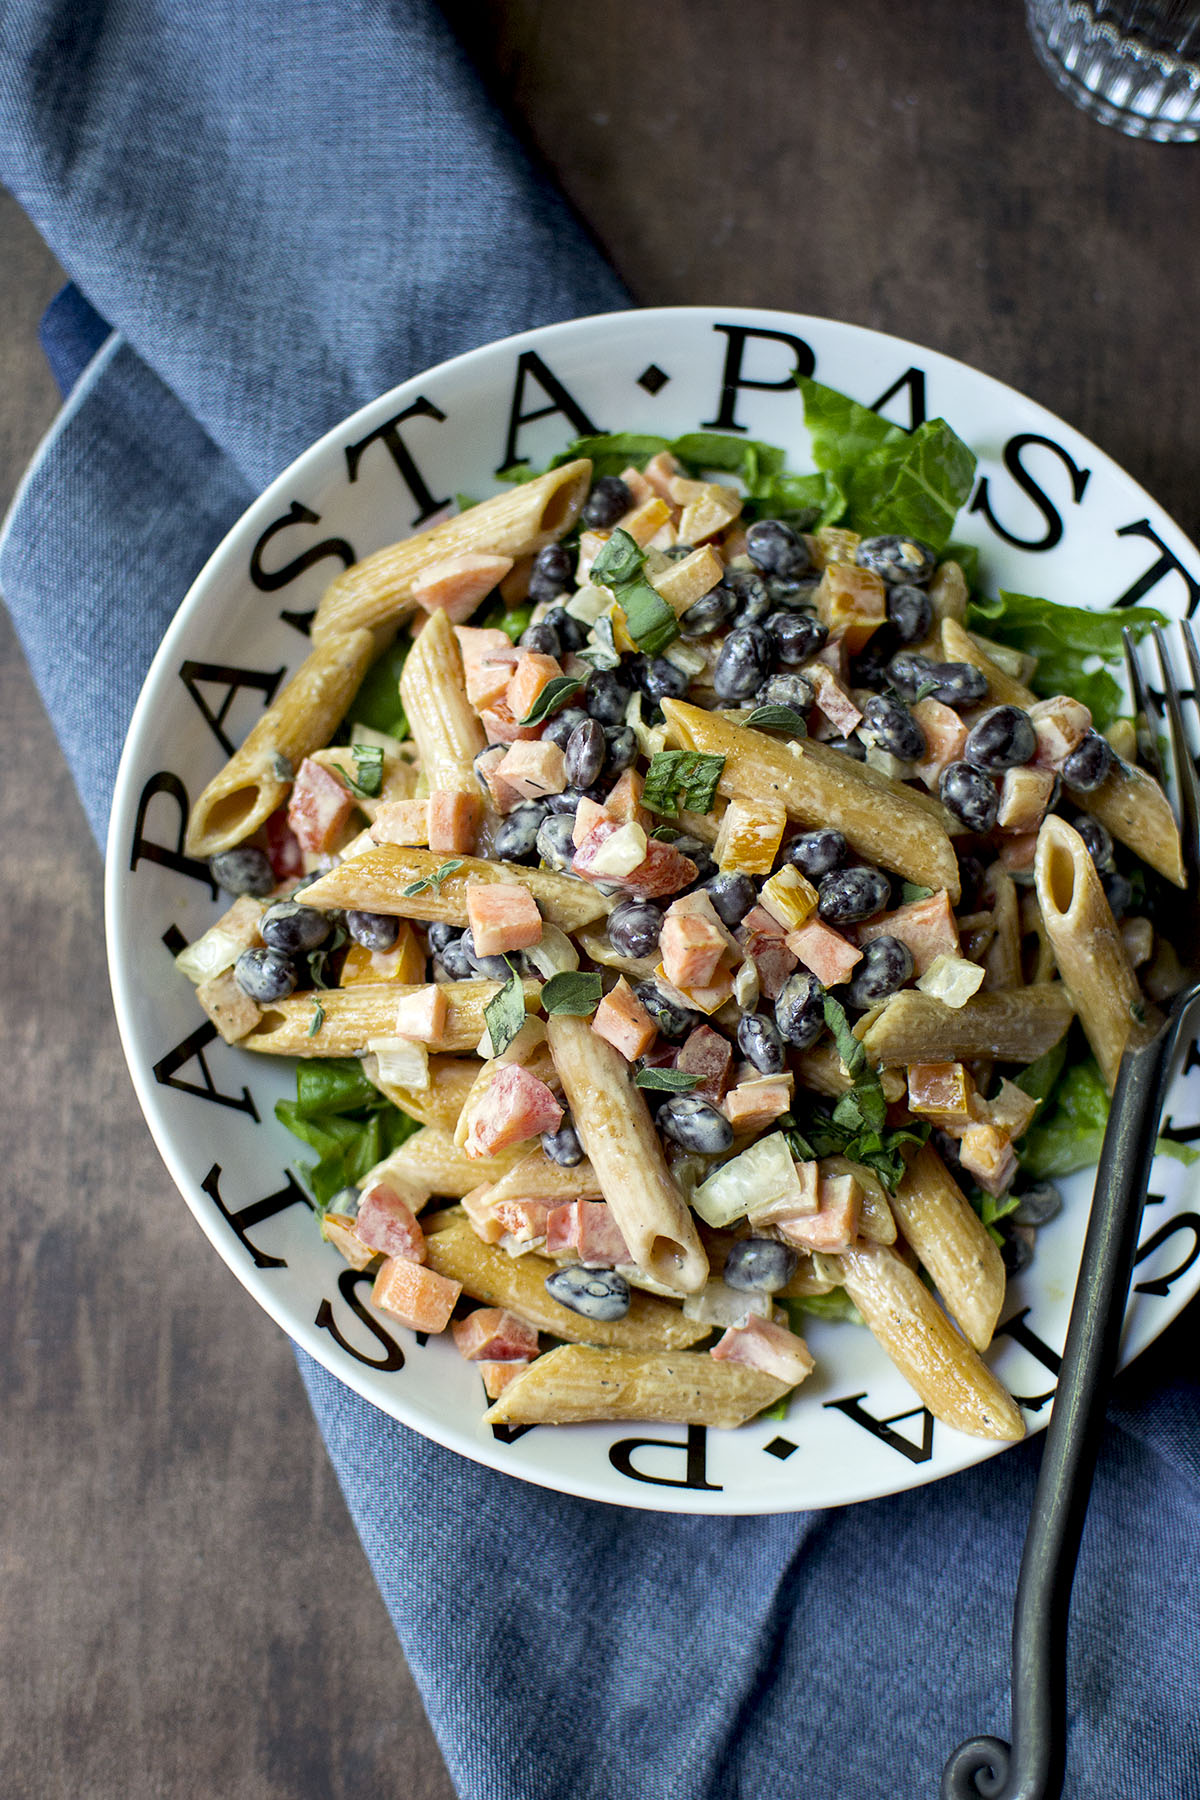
(184, 1610)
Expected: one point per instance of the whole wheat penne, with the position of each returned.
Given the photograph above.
(948, 591)
(884, 820)
(489, 1274)
(537, 1177)
(445, 725)
(942, 1226)
(1087, 946)
(376, 882)
(618, 1134)
(430, 1162)
(947, 1374)
(1015, 1026)
(517, 523)
(1003, 962)
(450, 1080)
(1131, 805)
(302, 718)
(822, 1070)
(959, 646)
(350, 1017)
(577, 1382)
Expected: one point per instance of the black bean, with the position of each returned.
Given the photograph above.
(888, 724)
(265, 975)
(776, 549)
(871, 667)
(542, 637)
(797, 594)
(760, 1043)
(243, 871)
(555, 844)
(438, 934)
(817, 853)
(1118, 893)
(659, 679)
(516, 835)
(374, 931)
(849, 895)
(1090, 763)
(608, 500)
(1038, 1205)
(485, 968)
(744, 663)
(886, 965)
(586, 750)
(789, 688)
(800, 1011)
(759, 1265)
(677, 552)
(953, 683)
(622, 749)
(970, 795)
(563, 1146)
(477, 764)
(457, 962)
(695, 1124)
(292, 928)
(897, 559)
(1016, 1252)
(710, 612)
(558, 729)
(698, 853)
(752, 594)
(633, 928)
(571, 632)
(606, 694)
(1002, 738)
(673, 1020)
(732, 897)
(599, 1294)
(1097, 840)
(798, 636)
(909, 611)
(553, 574)
(971, 874)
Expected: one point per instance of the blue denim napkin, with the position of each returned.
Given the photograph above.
(282, 213)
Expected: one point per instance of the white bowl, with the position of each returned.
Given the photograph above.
(1056, 517)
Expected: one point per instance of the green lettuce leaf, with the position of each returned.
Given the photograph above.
(377, 702)
(1068, 1133)
(915, 487)
(348, 1122)
(1074, 646)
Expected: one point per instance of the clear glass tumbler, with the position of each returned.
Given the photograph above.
(1134, 64)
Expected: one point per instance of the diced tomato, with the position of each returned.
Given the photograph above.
(418, 1297)
(503, 916)
(752, 1104)
(534, 768)
(402, 822)
(533, 673)
(454, 821)
(482, 1219)
(707, 1054)
(493, 1334)
(386, 1222)
(318, 808)
(834, 1225)
(502, 728)
(456, 584)
(928, 927)
(522, 1220)
(761, 1344)
(514, 1107)
(588, 1228)
(497, 1375)
(489, 658)
(759, 920)
(664, 869)
(622, 1021)
(824, 952)
(422, 1016)
(763, 940)
(945, 739)
(283, 851)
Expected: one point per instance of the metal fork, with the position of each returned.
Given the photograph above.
(1033, 1766)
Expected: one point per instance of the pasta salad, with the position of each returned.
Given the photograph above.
(693, 907)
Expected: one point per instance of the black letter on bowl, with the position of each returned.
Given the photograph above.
(166, 1072)
(732, 379)
(621, 1458)
(400, 454)
(270, 579)
(192, 672)
(1167, 564)
(882, 1428)
(348, 1280)
(1025, 481)
(254, 1214)
(530, 363)
(914, 381)
(166, 783)
(1024, 1334)
(1162, 1284)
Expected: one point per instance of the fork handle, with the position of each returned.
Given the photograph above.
(1032, 1768)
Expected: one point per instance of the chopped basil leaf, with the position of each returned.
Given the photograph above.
(924, 691)
(504, 1013)
(574, 993)
(619, 561)
(648, 619)
(778, 718)
(281, 766)
(435, 880)
(848, 1046)
(687, 775)
(368, 759)
(666, 1081)
(665, 834)
(911, 891)
(555, 694)
(318, 1018)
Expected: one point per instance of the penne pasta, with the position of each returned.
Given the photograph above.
(450, 1081)
(1003, 960)
(1017, 1026)
(430, 1162)
(1088, 946)
(351, 1017)
(578, 1382)
(489, 1274)
(953, 1244)
(884, 820)
(618, 1134)
(536, 1177)
(444, 724)
(378, 589)
(302, 718)
(1131, 805)
(376, 882)
(959, 646)
(947, 1374)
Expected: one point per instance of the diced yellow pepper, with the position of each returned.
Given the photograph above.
(645, 520)
(749, 838)
(789, 897)
(404, 963)
(832, 544)
(684, 582)
(851, 601)
(941, 1092)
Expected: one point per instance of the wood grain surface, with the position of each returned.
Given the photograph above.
(184, 1610)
